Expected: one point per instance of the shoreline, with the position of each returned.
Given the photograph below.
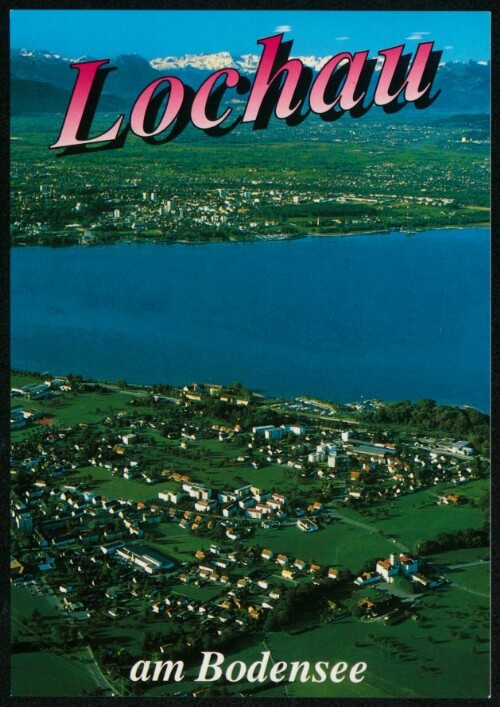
(147, 388)
(409, 232)
(256, 239)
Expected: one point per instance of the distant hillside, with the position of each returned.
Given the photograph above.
(465, 86)
(27, 97)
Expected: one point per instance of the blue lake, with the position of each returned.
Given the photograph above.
(386, 316)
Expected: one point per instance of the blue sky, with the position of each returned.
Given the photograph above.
(101, 34)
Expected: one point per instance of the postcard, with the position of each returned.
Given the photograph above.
(250, 353)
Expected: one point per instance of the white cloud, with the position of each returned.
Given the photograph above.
(417, 36)
(448, 46)
(283, 28)
(341, 39)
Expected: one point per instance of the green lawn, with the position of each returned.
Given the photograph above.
(474, 578)
(472, 490)
(105, 484)
(29, 673)
(418, 517)
(23, 603)
(177, 542)
(69, 408)
(19, 380)
(465, 555)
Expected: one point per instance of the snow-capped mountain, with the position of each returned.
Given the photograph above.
(209, 62)
(246, 63)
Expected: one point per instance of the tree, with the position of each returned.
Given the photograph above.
(36, 615)
(62, 632)
(484, 504)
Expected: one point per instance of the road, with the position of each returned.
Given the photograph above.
(470, 591)
(463, 565)
(468, 564)
(266, 647)
(317, 416)
(100, 679)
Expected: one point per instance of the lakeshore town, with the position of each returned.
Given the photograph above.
(222, 192)
(200, 512)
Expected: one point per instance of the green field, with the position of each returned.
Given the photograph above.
(70, 671)
(23, 603)
(476, 578)
(417, 517)
(465, 555)
(68, 409)
(29, 673)
(105, 484)
(179, 543)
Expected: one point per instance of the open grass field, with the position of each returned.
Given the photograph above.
(67, 678)
(463, 556)
(18, 380)
(476, 578)
(470, 491)
(69, 408)
(105, 484)
(418, 517)
(23, 603)
(177, 542)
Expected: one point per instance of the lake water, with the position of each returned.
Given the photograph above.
(387, 316)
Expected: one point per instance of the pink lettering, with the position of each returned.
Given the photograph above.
(87, 72)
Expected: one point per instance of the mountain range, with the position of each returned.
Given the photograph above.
(41, 81)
